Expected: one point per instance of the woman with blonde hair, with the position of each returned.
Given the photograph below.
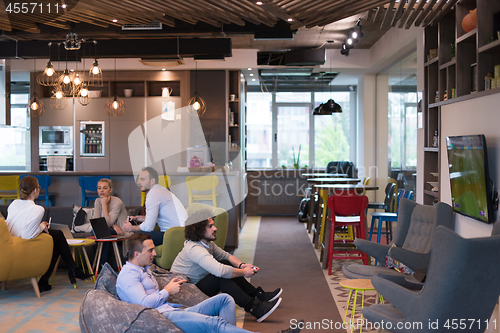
(24, 219)
(112, 209)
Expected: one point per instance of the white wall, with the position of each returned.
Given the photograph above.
(474, 116)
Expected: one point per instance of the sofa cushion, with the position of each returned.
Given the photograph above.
(107, 280)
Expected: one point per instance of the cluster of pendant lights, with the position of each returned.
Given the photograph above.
(72, 84)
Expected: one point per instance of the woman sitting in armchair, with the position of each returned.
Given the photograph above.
(24, 219)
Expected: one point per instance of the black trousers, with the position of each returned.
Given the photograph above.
(239, 288)
(61, 248)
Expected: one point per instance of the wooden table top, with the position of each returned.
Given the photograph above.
(331, 175)
(114, 239)
(86, 242)
(329, 180)
(357, 284)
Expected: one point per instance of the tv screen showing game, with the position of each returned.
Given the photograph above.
(469, 177)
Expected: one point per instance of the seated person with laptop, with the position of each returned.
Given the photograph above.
(162, 208)
(24, 220)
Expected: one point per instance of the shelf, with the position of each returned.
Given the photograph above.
(448, 64)
(432, 149)
(433, 194)
(234, 101)
(433, 105)
(493, 47)
(430, 62)
(469, 37)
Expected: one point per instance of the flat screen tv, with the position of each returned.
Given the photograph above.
(469, 177)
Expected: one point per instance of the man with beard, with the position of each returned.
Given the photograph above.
(212, 269)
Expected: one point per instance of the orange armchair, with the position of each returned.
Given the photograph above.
(23, 258)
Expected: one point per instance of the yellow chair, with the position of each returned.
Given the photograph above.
(9, 184)
(23, 258)
(173, 242)
(164, 181)
(202, 184)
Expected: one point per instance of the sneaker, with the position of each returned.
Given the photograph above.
(293, 330)
(262, 310)
(268, 296)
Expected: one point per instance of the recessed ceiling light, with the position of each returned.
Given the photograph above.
(251, 74)
(253, 79)
(115, 20)
(163, 69)
(249, 68)
(290, 19)
(64, 5)
(259, 3)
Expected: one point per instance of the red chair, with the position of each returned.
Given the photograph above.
(347, 210)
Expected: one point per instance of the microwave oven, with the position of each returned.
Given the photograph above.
(55, 137)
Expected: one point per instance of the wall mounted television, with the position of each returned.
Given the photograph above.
(471, 191)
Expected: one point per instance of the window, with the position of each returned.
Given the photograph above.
(280, 125)
(15, 139)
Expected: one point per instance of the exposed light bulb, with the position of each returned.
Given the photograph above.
(354, 34)
(77, 80)
(50, 71)
(34, 105)
(59, 94)
(115, 105)
(259, 3)
(95, 68)
(84, 92)
(196, 106)
(66, 79)
(349, 41)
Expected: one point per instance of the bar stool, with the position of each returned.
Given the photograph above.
(358, 285)
(346, 210)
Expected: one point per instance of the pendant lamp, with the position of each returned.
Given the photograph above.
(57, 100)
(197, 105)
(49, 75)
(330, 106)
(35, 107)
(95, 73)
(115, 105)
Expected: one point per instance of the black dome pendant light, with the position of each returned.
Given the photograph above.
(330, 106)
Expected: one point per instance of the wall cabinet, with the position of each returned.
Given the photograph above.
(456, 65)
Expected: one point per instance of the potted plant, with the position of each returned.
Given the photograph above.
(296, 162)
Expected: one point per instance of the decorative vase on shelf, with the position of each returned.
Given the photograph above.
(469, 22)
(195, 162)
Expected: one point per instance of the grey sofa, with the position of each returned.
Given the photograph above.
(461, 289)
(413, 235)
(102, 311)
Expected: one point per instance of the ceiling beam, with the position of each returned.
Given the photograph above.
(124, 48)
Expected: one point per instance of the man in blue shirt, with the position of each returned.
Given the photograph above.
(136, 284)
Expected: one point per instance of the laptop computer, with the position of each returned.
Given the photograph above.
(64, 228)
(101, 229)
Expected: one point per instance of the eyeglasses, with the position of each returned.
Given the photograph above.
(39, 187)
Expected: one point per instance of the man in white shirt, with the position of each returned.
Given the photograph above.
(162, 208)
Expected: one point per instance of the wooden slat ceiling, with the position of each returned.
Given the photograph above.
(218, 13)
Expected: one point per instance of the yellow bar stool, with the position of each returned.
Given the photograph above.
(358, 285)
(9, 184)
(164, 181)
(323, 193)
(202, 184)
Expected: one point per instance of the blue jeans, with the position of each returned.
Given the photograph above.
(216, 314)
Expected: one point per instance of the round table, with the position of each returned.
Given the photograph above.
(357, 285)
(100, 243)
(77, 244)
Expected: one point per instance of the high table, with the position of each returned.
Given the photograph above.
(325, 226)
(326, 180)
